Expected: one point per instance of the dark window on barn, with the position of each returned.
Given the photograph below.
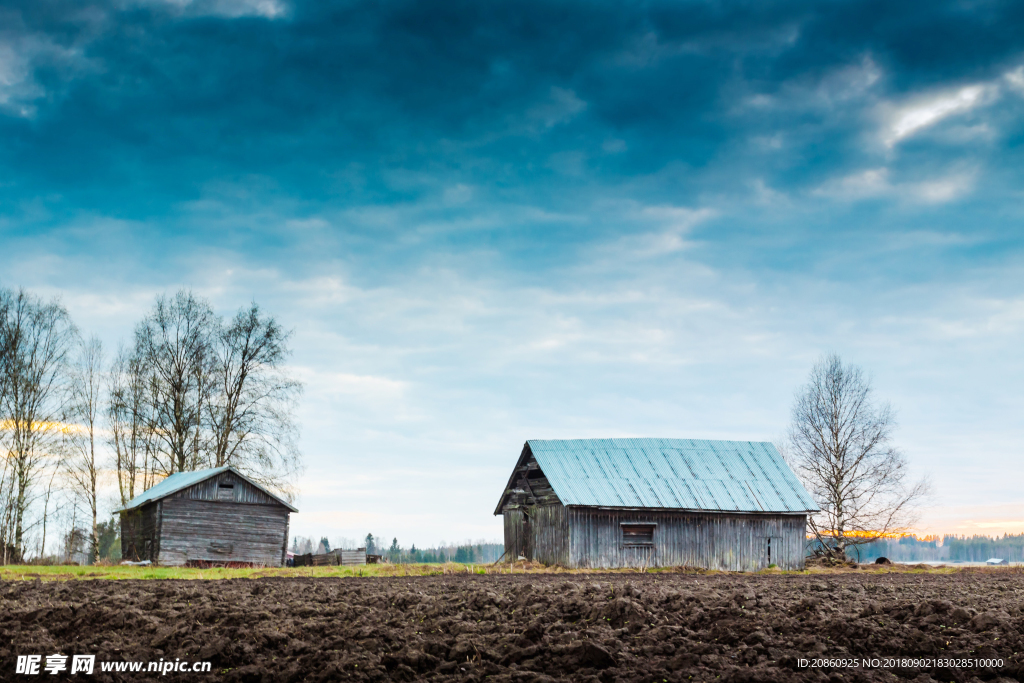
(638, 534)
(226, 492)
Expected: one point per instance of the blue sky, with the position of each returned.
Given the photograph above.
(488, 222)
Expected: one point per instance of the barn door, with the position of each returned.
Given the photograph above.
(526, 539)
(773, 551)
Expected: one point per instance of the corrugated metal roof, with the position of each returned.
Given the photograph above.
(182, 480)
(728, 476)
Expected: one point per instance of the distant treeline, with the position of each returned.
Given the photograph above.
(469, 552)
(949, 549)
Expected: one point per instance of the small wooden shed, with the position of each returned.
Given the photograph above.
(605, 503)
(214, 516)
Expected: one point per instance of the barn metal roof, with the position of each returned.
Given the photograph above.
(182, 480)
(688, 474)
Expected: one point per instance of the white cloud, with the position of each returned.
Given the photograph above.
(1016, 79)
(673, 225)
(231, 9)
(941, 190)
(837, 88)
(874, 183)
(457, 194)
(17, 88)
(923, 112)
(19, 59)
(344, 383)
(849, 82)
(561, 106)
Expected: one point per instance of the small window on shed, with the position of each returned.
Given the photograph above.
(226, 492)
(638, 534)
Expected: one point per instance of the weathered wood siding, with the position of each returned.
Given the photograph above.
(221, 519)
(732, 542)
(219, 531)
(537, 532)
(592, 538)
(241, 491)
(137, 527)
(514, 536)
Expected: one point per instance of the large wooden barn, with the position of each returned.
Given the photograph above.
(603, 503)
(214, 516)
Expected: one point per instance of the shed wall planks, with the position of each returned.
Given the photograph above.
(218, 532)
(137, 527)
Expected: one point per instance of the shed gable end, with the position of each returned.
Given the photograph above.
(226, 487)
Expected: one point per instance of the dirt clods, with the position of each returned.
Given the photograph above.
(653, 628)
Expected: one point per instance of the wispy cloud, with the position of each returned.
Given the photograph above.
(269, 9)
(561, 106)
(20, 59)
(876, 183)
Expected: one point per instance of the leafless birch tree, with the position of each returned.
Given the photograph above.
(84, 465)
(174, 344)
(40, 338)
(211, 394)
(840, 444)
(250, 411)
(130, 428)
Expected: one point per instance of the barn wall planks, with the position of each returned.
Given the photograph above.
(221, 532)
(538, 532)
(732, 542)
(514, 541)
(582, 537)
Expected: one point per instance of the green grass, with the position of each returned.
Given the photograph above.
(65, 573)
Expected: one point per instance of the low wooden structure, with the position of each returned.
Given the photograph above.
(207, 517)
(335, 558)
(605, 503)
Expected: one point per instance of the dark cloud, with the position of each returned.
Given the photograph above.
(132, 108)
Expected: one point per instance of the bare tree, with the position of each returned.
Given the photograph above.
(40, 337)
(174, 345)
(251, 409)
(83, 465)
(6, 352)
(129, 423)
(840, 443)
(6, 471)
(53, 485)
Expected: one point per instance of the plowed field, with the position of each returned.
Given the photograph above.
(644, 627)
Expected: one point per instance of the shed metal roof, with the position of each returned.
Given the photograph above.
(182, 480)
(686, 474)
